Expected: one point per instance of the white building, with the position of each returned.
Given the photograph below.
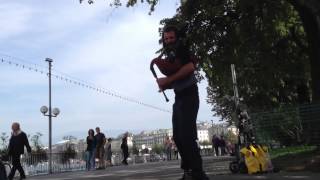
(203, 135)
(148, 139)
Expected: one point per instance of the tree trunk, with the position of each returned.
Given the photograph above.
(309, 11)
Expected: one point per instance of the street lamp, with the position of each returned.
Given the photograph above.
(55, 111)
(51, 113)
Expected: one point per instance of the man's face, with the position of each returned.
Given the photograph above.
(15, 127)
(169, 37)
(98, 130)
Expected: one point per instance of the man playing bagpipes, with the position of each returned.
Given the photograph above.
(179, 66)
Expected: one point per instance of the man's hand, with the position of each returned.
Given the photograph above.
(29, 150)
(164, 83)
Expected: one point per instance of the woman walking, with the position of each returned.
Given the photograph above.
(90, 151)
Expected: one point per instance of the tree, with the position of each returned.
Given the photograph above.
(36, 143)
(275, 45)
(158, 148)
(4, 143)
(309, 12)
(67, 154)
(135, 149)
(205, 143)
(281, 125)
(69, 137)
(38, 151)
(222, 14)
(4, 140)
(231, 137)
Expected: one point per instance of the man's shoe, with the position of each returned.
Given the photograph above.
(199, 176)
(186, 176)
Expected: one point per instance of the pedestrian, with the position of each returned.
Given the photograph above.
(230, 148)
(101, 140)
(109, 152)
(174, 149)
(186, 105)
(215, 144)
(222, 144)
(90, 151)
(125, 148)
(168, 146)
(17, 143)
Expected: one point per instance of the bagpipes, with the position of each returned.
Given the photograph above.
(169, 65)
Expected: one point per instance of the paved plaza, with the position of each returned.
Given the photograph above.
(216, 168)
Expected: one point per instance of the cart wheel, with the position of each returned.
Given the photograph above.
(243, 168)
(234, 167)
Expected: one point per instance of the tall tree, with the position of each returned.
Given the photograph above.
(36, 142)
(274, 44)
(309, 11)
(4, 141)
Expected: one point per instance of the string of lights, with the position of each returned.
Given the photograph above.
(5, 59)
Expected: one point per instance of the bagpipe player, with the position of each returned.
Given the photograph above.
(179, 67)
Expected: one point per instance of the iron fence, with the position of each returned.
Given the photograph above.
(37, 163)
(292, 133)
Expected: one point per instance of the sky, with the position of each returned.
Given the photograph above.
(97, 45)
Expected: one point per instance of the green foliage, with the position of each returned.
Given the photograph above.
(258, 39)
(205, 143)
(282, 125)
(135, 149)
(36, 142)
(231, 137)
(4, 138)
(4, 145)
(274, 153)
(68, 154)
(39, 154)
(273, 44)
(158, 148)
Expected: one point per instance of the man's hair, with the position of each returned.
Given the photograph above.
(169, 28)
(182, 47)
(16, 124)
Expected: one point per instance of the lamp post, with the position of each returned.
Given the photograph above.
(51, 113)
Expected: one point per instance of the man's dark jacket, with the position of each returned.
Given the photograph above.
(17, 143)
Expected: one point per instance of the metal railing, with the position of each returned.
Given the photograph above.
(37, 163)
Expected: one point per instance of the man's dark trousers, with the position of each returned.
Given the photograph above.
(185, 110)
(16, 165)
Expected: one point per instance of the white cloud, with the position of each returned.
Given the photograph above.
(14, 19)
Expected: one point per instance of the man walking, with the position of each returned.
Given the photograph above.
(101, 140)
(16, 147)
(125, 148)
